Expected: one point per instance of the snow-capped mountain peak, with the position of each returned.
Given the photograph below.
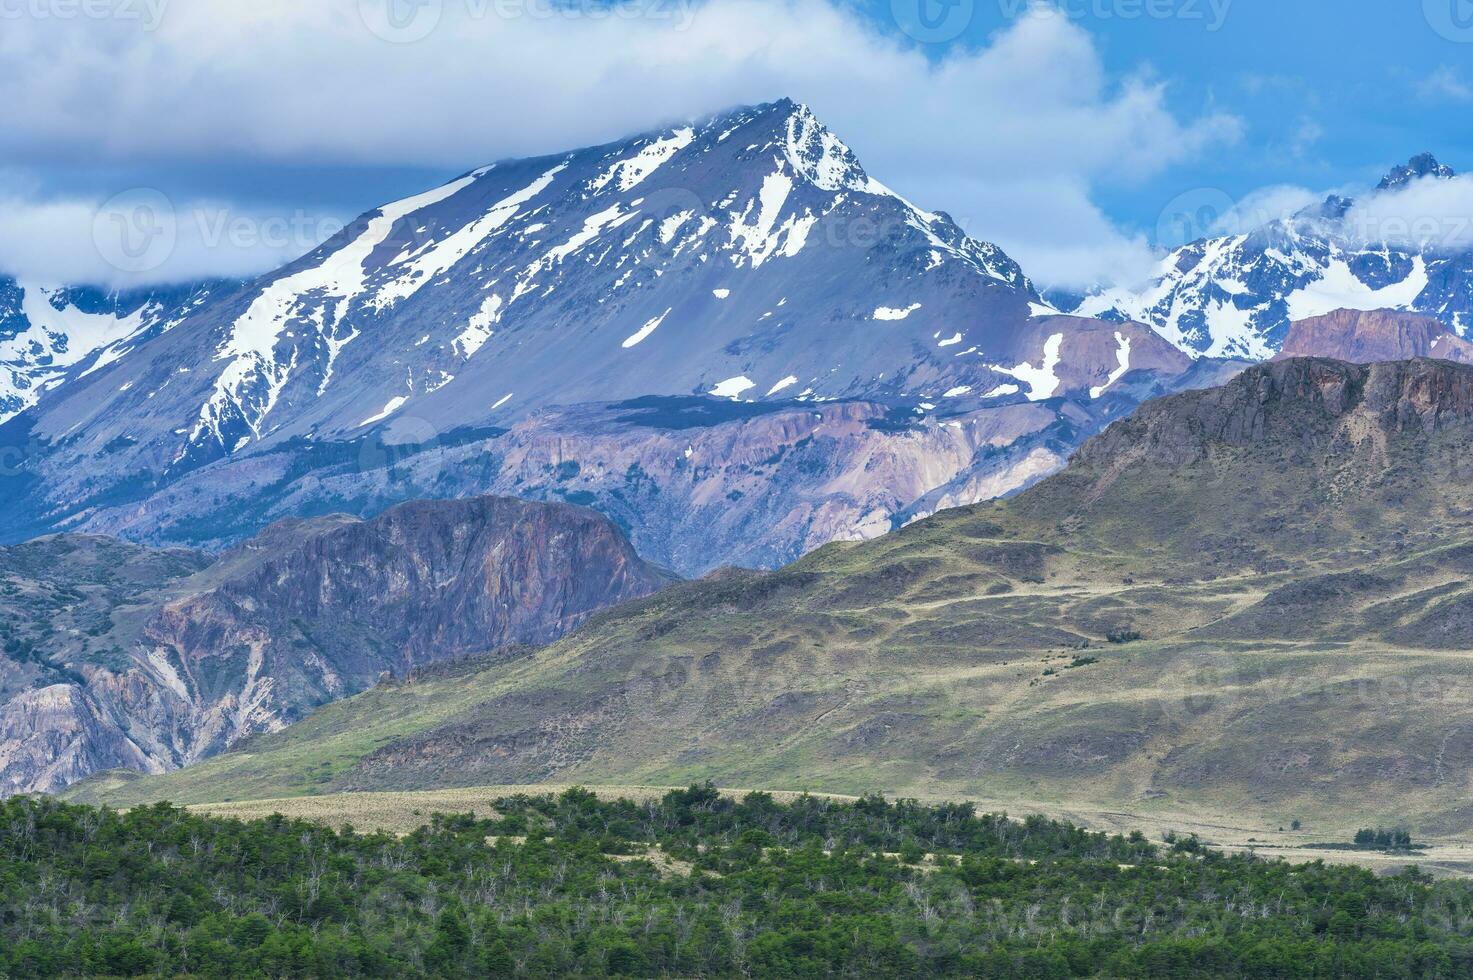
(743, 259)
(665, 237)
(743, 275)
(820, 156)
(1419, 166)
(1237, 295)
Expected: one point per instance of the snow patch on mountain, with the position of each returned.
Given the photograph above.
(645, 330)
(733, 387)
(893, 313)
(394, 404)
(632, 171)
(1339, 289)
(782, 385)
(1042, 382)
(760, 234)
(45, 333)
(1122, 357)
(432, 259)
(479, 329)
(253, 377)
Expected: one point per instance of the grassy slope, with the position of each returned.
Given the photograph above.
(935, 661)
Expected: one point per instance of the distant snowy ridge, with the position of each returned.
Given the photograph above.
(1236, 296)
(48, 333)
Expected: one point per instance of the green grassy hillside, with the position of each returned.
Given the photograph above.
(1255, 601)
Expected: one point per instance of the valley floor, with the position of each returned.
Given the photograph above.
(402, 813)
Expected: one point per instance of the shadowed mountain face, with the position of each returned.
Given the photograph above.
(116, 656)
(747, 261)
(1250, 601)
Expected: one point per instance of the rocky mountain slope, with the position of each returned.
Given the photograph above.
(1236, 295)
(118, 656)
(697, 483)
(1248, 600)
(745, 259)
(1363, 336)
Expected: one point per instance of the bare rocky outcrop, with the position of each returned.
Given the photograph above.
(1298, 400)
(308, 612)
(1365, 336)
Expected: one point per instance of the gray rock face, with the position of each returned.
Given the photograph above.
(1295, 400)
(1421, 165)
(116, 656)
(747, 260)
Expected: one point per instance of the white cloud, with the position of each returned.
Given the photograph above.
(1053, 230)
(142, 237)
(1446, 84)
(1263, 206)
(1431, 213)
(286, 81)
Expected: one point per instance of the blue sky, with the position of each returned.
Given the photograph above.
(1064, 132)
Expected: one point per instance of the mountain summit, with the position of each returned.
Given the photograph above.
(724, 257)
(1419, 166)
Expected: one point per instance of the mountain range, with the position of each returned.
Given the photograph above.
(737, 282)
(726, 339)
(1248, 603)
(1236, 295)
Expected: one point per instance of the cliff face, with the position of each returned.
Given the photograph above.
(1297, 400)
(1364, 336)
(308, 612)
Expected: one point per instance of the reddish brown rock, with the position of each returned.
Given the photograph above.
(1363, 336)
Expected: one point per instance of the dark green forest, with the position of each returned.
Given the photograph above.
(692, 885)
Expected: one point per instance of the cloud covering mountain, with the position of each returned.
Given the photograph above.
(1015, 136)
